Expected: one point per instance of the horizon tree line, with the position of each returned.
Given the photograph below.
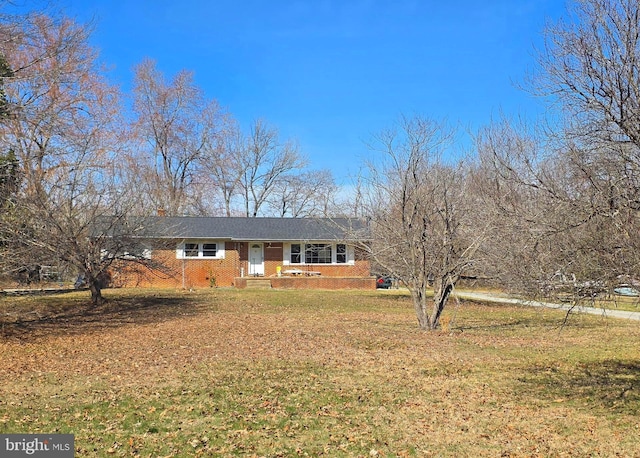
(542, 209)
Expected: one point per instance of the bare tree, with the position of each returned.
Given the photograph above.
(176, 122)
(529, 208)
(353, 200)
(60, 120)
(591, 68)
(420, 214)
(222, 161)
(591, 65)
(303, 195)
(264, 162)
(262, 175)
(558, 223)
(50, 88)
(582, 180)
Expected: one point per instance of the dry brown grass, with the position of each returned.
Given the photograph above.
(288, 373)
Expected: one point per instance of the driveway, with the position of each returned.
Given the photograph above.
(486, 297)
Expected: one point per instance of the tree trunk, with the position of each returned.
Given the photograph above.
(96, 290)
(420, 305)
(440, 298)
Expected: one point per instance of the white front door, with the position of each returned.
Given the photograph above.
(256, 259)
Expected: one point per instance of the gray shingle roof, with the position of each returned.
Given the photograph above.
(256, 229)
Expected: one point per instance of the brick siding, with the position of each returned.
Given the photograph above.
(199, 273)
(317, 282)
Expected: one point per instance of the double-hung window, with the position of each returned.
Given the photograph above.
(203, 250)
(209, 250)
(191, 250)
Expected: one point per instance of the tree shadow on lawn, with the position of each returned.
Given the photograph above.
(77, 317)
(610, 384)
(480, 316)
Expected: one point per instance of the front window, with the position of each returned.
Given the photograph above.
(191, 250)
(295, 253)
(209, 249)
(318, 253)
(202, 250)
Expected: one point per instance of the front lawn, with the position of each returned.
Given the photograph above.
(223, 372)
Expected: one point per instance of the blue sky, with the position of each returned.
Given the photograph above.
(332, 73)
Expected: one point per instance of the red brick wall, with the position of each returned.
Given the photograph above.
(361, 268)
(187, 273)
(199, 273)
(315, 282)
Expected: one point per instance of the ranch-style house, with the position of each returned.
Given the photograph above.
(240, 252)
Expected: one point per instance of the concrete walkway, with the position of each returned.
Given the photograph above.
(485, 297)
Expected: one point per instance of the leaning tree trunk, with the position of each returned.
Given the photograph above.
(441, 292)
(439, 302)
